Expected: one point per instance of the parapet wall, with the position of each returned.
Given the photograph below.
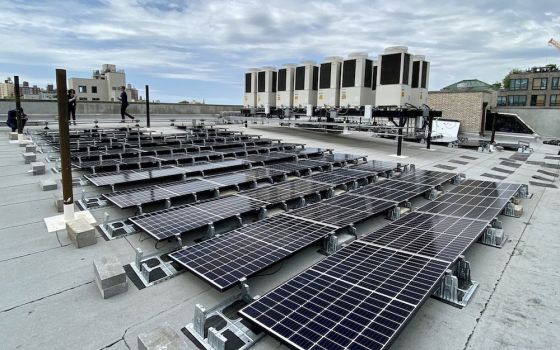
(42, 107)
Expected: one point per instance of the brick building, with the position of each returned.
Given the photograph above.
(467, 101)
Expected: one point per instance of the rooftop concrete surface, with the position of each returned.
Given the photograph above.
(48, 297)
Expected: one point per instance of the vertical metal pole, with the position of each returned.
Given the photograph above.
(399, 137)
(493, 127)
(64, 131)
(148, 106)
(18, 105)
(429, 139)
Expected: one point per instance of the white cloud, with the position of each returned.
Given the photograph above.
(215, 41)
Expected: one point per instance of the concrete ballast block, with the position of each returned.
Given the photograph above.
(29, 157)
(48, 185)
(13, 136)
(38, 168)
(108, 272)
(81, 232)
(163, 337)
(31, 148)
(59, 202)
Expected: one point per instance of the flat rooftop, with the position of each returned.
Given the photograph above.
(48, 297)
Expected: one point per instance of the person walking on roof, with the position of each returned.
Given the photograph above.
(72, 100)
(124, 103)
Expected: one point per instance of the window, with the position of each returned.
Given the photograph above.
(518, 84)
(555, 83)
(83, 99)
(538, 100)
(94, 89)
(554, 100)
(502, 101)
(82, 89)
(540, 83)
(95, 99)
(517, 100)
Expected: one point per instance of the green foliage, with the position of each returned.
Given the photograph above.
(497, 85)
(506, 80)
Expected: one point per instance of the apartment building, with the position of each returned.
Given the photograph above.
(537, 87)
(104, 85)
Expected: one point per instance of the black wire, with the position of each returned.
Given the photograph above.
(273, 272)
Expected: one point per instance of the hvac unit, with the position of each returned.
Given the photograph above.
(394, 77)
(266, 87)
(329, 82)
(285, 86)
(420, 79)
(357, 81)
(250, 97)
(305, 84)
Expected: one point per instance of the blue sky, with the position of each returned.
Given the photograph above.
(200, 49)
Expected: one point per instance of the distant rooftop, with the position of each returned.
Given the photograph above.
(468, 85)
(545, 69)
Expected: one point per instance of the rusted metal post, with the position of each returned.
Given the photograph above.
(18, 105)
(63, 129)
(147, 106)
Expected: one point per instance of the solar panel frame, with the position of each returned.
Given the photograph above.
(473, 207)
(223, 261)
(426, 177)
(432, 236)
(323, 307)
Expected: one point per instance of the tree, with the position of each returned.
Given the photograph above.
(497, 85)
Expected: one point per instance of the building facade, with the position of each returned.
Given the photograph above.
(537, 87)
(7, 89)
(467, 101)
(104, 85)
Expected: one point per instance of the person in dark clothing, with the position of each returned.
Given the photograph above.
(72, 98)
(124, 103)
(12, 119)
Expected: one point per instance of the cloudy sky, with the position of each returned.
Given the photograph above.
(195, 49)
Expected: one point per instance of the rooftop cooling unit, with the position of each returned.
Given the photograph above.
(305, 84)
(357, 81)
(266, 87)
(250, 96)
(329, 82)
(394, 77)
(285, 86)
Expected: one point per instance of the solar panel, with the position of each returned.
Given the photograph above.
(375, 166)
(373, 191)
(245, 176)
(433, 236)
(358, 298)
(404, 186)
(426, 177)
(223, 261)
(339, 176)
(151, 194)
(343, 210)
(299, 166)
(181, 219)
(487, 189)
(285, 191)
(129, 176)
(341, 157)
(474, 207)
(269, 157)
(230, 206)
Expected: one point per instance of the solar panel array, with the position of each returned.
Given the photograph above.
(181, 219)
(361, 296)
(248, 250)
(129, 176)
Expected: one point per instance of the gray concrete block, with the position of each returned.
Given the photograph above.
(112, 291)
(24, 143)
(38, 168)
(29, 157)
(31, 148)
(13, 136)
(163, 337)
(108, 271)
(59, 202)
(48, 185)
(81, 232)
